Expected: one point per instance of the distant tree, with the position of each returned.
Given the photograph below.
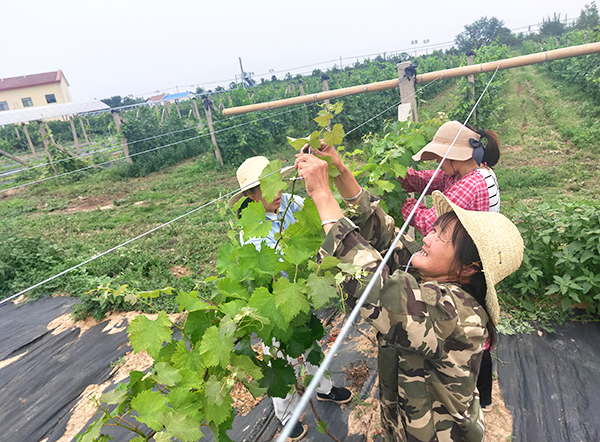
(130, 99)
(552, 26)
(483, 32)
(588, 18)
(288, 77)
(114, 101)
(273, 78)
(200, 90)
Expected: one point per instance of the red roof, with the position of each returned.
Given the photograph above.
(156, 97)
(7, 84)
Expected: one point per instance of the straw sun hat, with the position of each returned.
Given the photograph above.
(248, 174)
(497, 240)
(443, 138)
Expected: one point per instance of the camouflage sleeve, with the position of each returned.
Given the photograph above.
(379, 230)
(403, 310)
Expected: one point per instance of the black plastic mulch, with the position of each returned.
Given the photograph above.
(549, 382)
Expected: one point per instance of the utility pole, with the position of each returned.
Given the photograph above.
(242, 69)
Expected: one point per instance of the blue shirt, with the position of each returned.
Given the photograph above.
(276, 219)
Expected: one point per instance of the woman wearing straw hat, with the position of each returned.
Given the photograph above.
(466, 177)
(281, 218)
(431, 333)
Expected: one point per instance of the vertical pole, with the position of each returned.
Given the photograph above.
(29, 140)
(124, 145)
(87, 141)
(157, 111)
(408, 107)
(75, 139)
(407, 90)
(210, 128)
(195, 106)
(471, 81)
(17, 131)
(46, 145)
(177, 107)
(325, 82)
(301, 84)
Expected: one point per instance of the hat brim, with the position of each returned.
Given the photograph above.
(236, 197)
(434, 151)
(496, 265)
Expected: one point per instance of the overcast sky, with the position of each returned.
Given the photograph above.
(138, 47)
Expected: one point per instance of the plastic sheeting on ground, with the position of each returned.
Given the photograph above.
(550, 383)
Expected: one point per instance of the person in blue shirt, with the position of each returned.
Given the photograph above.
(275, 211)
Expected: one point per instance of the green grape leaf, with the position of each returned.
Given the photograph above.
(337, 107)
(328, 262)
(218, 413)
(166, 374)
(336, 136)
(254, 388)
(384, 186)
(261, 263)
(322, 427)
(189, 301)
(148, 335)
(416, 143)
(314, 140)
(297, 143)
(215, 349)
(272, 184)
(278, 378)
(320, 289)
(253, 222)
(231, 288)
(263, 302)
(290, 298)
(148, 404)
(315, 355)
(180, 426)
(195, 326)
(215, 391)
(186, 358)
(114, 396)
(323, 119)
(399, 169)
(185, 401)
(245, 366)
(191, 379)
(224, 260)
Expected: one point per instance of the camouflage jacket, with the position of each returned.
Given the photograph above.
(431, 335)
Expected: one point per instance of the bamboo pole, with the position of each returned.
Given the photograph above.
(87, 141)
(75, 139)
(523, 60)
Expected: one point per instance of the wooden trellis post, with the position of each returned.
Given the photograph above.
(325, 82)
(75, 139)
(14, 158)
(301, 84)
(87, 141)
(178, 111)
(471, 81)
(207, 106)
(17, 131)
(124, 146)
(46, 146)
(195, 107)
(24, 126)
(406, 85)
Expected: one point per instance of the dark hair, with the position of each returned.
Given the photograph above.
(246, 201)
(492, 147)
(467, 256)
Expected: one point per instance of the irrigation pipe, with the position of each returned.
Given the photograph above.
(295, 417)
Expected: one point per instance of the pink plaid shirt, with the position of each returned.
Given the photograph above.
(469, 192)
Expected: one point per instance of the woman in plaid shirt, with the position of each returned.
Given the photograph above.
(465, 177)
(468, 181)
